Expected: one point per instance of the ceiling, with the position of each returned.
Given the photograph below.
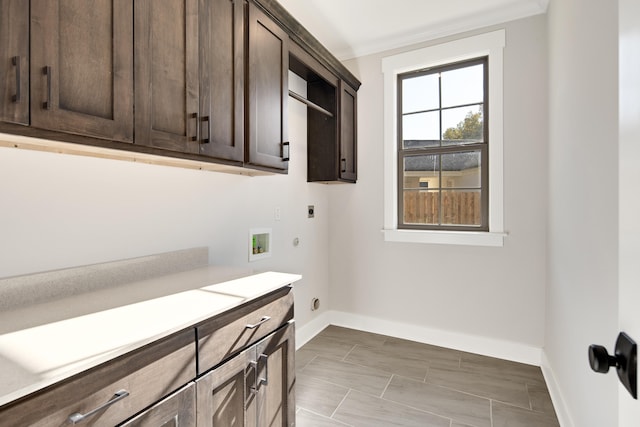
(352, 28)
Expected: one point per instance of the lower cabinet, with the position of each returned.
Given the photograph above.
(234, 369)
(177, 410)
(254, 388)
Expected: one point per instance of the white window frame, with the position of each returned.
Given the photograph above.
(488, 44)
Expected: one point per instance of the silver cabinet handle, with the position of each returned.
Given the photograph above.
(264, 319)
(265, 380)
(78, 417)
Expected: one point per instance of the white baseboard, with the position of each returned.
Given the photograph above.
(312, 328)
(474, 344)
(556, 395)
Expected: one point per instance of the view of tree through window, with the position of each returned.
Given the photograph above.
(442, 147)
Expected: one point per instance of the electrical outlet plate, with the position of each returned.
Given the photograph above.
(311, 211)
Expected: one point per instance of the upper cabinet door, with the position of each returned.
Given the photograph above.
(222, 73)
(14, 61)
(268, 145)
(348, 133)
(82, 67)
(166, 74)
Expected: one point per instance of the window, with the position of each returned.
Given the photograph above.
(443, 143)
(442, 147)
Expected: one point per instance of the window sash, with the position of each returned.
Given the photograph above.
(444, 148)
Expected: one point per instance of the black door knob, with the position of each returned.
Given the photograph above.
(625, 361)
(600, 360)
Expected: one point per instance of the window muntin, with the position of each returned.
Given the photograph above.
(443, 147)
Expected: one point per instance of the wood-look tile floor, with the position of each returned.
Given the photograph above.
(346, 377)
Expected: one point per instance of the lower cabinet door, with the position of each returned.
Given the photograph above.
(276, 377)
(226, 395)
(177, 410)
(254, 388)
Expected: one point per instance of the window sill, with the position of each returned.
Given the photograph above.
(469, 238)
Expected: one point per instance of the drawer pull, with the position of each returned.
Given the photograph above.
(16, 63)
(264, 319)
(265, 380)
(78, 417)
(47, 72)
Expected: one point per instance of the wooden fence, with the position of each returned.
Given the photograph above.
(458, 207)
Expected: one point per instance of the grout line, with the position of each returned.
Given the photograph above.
(491, 412)
(339, 404)
(325, 417)
(308, 363)
(344, 359)
(387, 386)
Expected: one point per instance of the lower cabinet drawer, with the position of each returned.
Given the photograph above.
(227, 334)
(112, 392)
(179, 409)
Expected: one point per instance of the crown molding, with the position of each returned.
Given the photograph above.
(447, 28)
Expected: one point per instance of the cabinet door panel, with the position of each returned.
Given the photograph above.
(348, 133)
(225, 397)
(222, 37)
(177, 410)
(166, 47)
(275, 378)
(268, 92)
(14, 61)
(82, 67)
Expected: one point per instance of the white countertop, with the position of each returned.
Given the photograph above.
(41, 345)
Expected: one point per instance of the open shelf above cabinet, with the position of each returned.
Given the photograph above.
(331, 130)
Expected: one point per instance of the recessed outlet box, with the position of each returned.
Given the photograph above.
(259, 243)
(311, 211)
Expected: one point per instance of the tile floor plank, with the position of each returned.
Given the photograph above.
(318, 396)
(441, 401)
(498, 387)
(309, 419)
(511, 416)
(348, 375)
(379, 358)
(363, 410)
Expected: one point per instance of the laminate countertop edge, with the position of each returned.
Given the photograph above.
(47, 343)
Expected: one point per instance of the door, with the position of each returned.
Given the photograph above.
(275, 378)
(222, 73)
(226, 395)
(348, 133)
(268, 92)
(166, 74)
(82, 67)
(14, 61)
(629, 182)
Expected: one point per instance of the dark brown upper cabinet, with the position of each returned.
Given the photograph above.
(82, 67)
(348, 133)
(222, 78)
(267, 145)
(195, 80)
(331, 120)
(166, 74)
(14, 61)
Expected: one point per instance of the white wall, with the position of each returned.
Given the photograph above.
(59, 211)
(478, 295)
(583, 210)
